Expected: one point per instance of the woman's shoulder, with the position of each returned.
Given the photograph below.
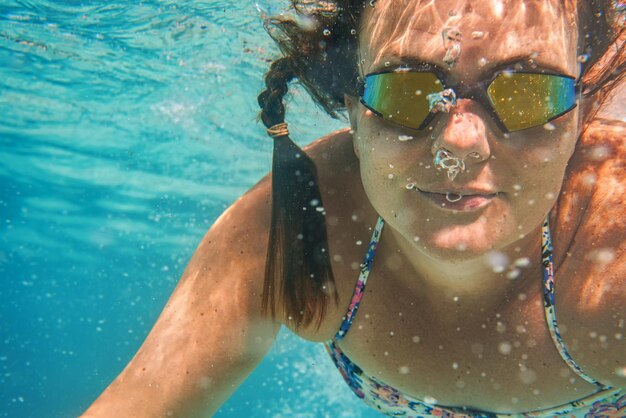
(590, 246)
(594, 188)
(245, 225)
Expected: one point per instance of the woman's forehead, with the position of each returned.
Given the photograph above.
(488, 32)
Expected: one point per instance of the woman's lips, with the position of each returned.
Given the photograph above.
(459, 201)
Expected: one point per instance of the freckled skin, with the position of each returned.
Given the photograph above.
(435, 321)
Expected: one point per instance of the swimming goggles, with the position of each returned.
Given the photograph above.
(515, 99)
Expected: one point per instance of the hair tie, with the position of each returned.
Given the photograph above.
(277, 130)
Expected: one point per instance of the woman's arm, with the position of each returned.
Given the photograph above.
(211, 334)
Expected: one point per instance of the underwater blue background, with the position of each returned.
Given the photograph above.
(126, 128)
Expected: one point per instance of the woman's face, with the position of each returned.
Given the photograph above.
(510, 181)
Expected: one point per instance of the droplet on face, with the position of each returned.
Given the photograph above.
(477, 34)
(482, 62)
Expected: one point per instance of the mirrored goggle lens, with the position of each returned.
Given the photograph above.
(524, 100)
(401, 97)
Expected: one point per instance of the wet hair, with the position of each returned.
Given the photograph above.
(318, 42)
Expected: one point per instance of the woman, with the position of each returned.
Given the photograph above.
(473, 142)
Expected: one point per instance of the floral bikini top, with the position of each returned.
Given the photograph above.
(607, 402)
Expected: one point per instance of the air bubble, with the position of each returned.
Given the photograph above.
(527, 376)
(513, 274)
(498, 261)
(582, 58)
(326, 32)
(522, 262)
(353, 31)
(404, 138)
(505, 348)
(589, 179)
(549, 126)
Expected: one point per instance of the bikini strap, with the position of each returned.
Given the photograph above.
(361, 282)
(548, 299)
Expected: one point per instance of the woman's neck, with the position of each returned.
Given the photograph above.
(478, 281)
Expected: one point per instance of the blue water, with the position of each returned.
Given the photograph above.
(125, 130)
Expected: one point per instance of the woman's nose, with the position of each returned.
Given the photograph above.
(465, 133)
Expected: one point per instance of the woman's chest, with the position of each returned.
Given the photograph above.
(490, 359)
